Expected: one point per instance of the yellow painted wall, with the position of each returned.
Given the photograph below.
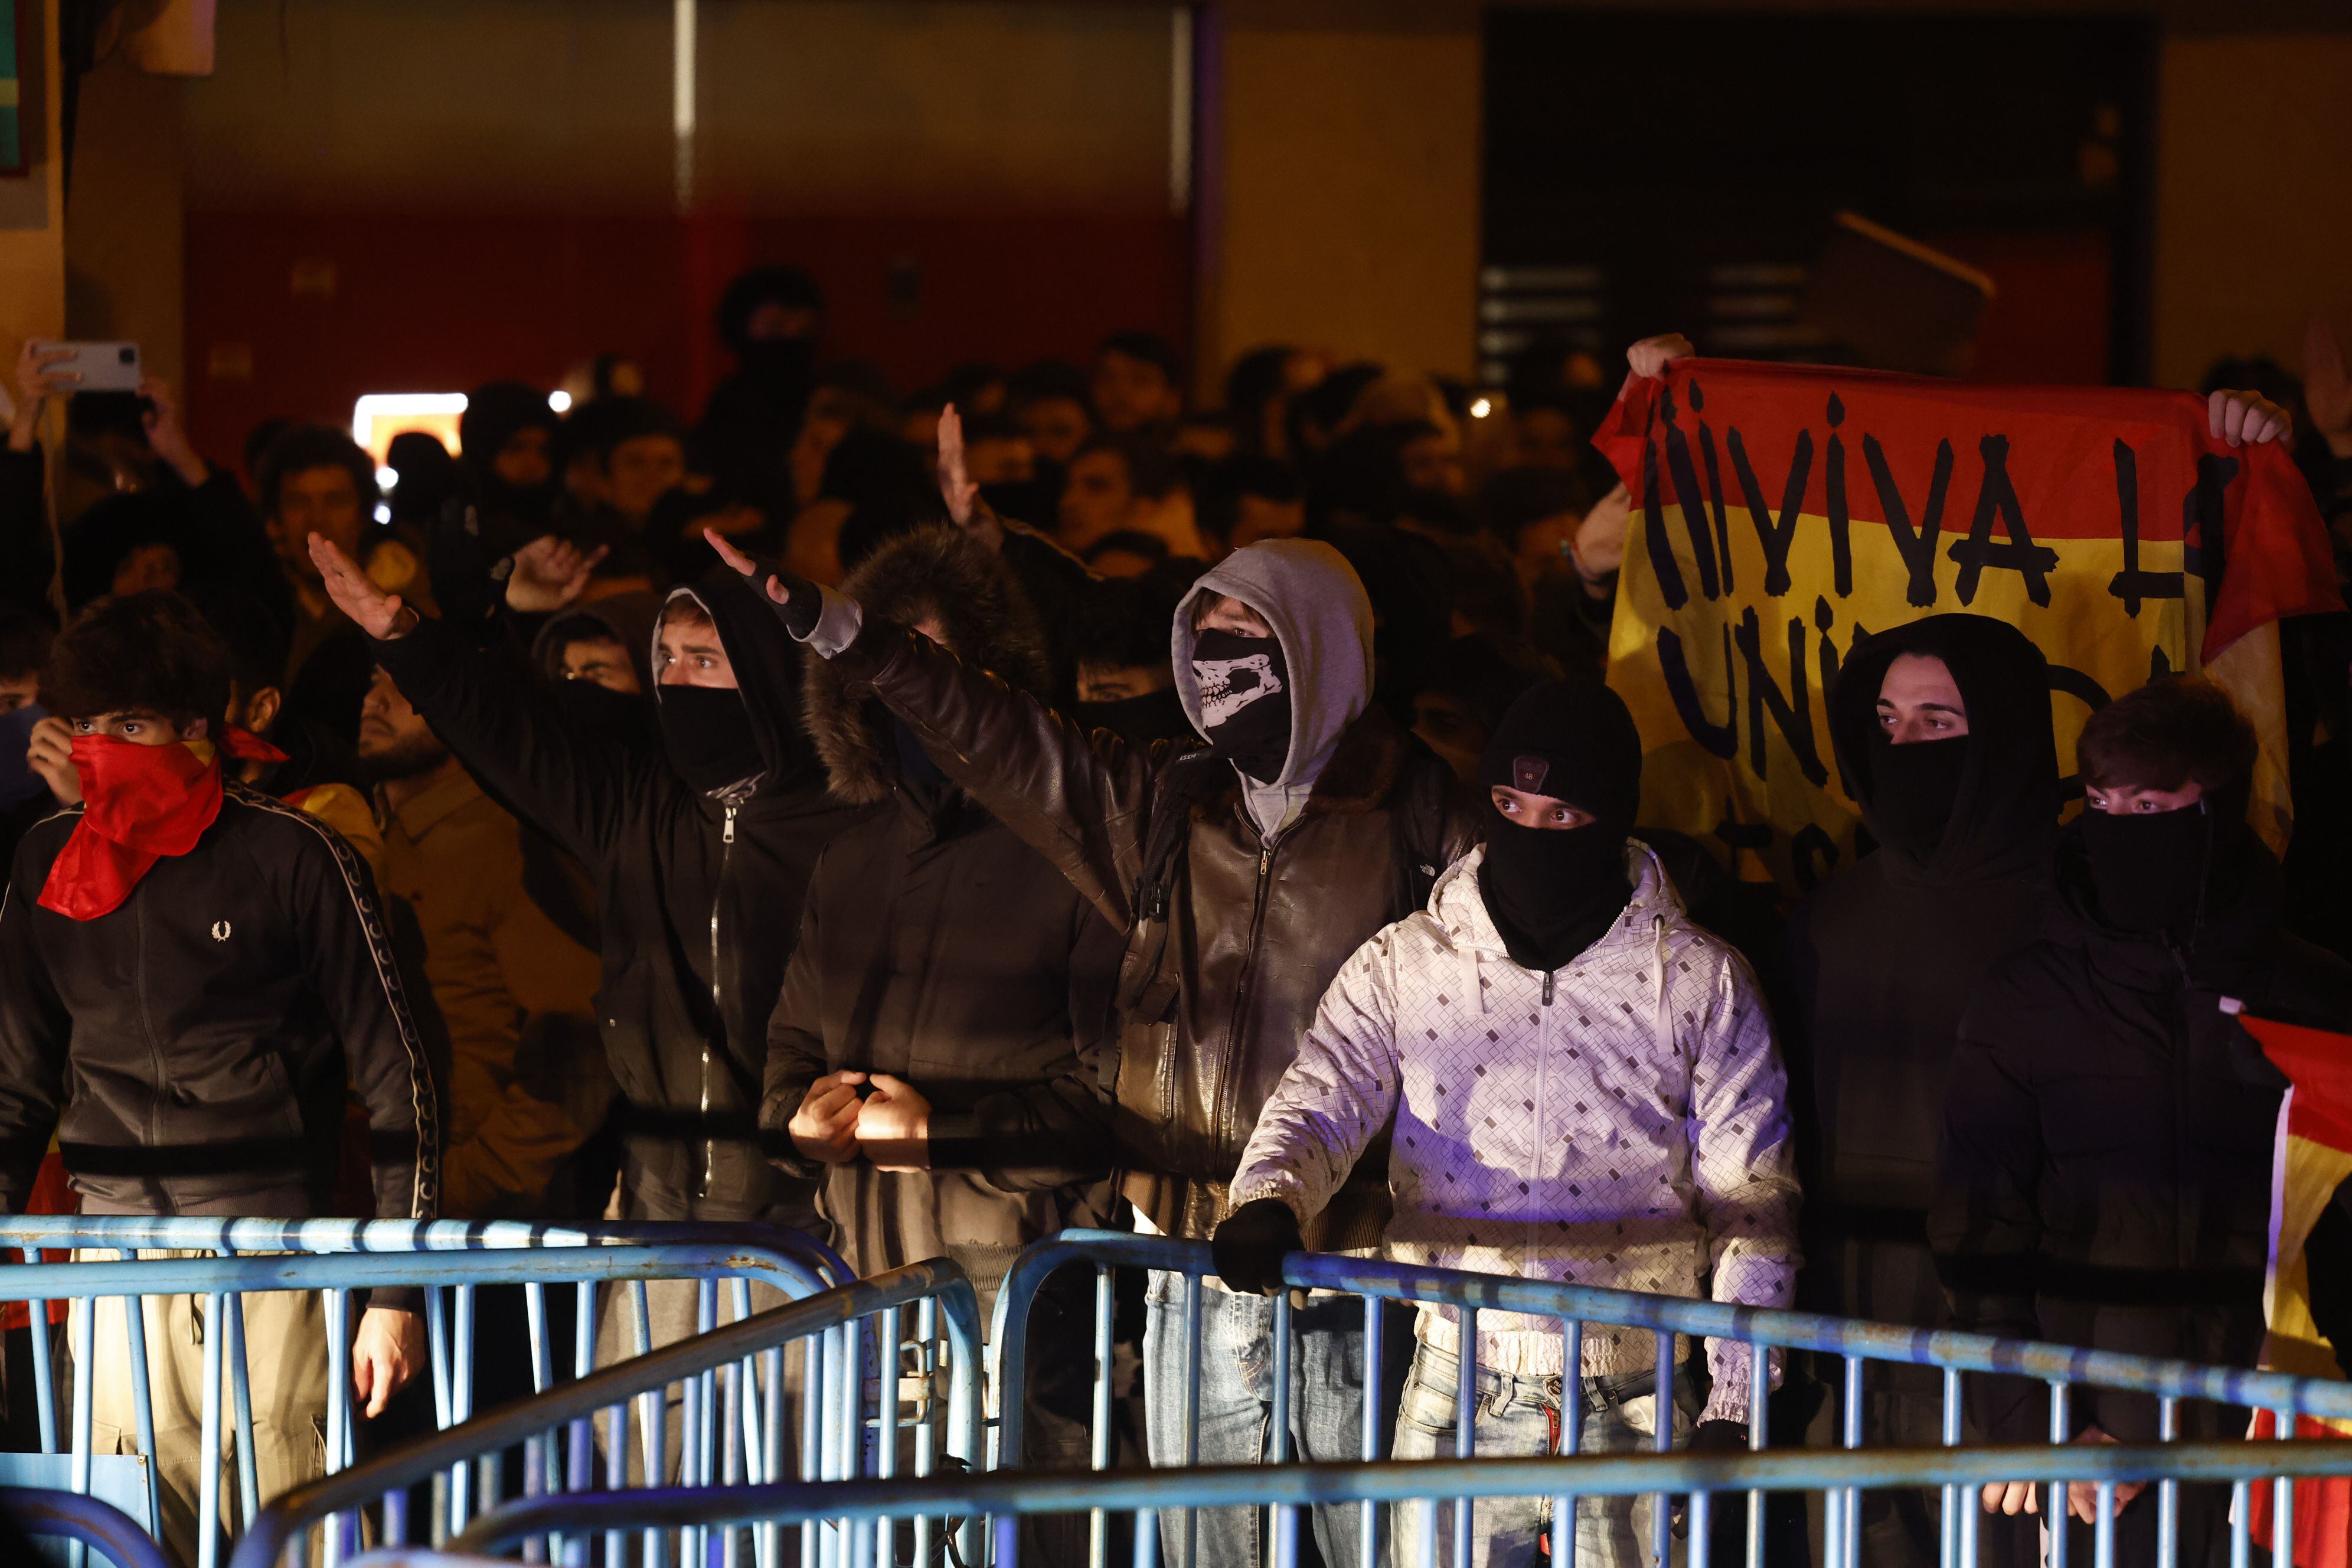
(2254, 197)
(1341, 185)
(124, 235)
(32, 209)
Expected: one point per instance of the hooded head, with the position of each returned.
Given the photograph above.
(1318, 666)
(1562, 775)
(750, 732)
(631, 620)
(938, 579)
(494, 415)
(1960, 808)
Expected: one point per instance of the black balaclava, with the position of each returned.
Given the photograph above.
(1245, 700)
(1915, 786)
(707, 733)
(2149, 870)
(1553, 892)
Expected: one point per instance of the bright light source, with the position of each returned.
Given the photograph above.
(386, 478)
(378, 416)
(560, 400)
(383, 512)
(1480, 410)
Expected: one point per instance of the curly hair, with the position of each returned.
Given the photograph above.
(2168, 733)
(147, 651)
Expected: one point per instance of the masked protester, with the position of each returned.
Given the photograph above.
(1242, 875)
(190, 974)
(1943, 734)
(933, 1060)
(2105, 1173)
(507, 441)
(700, 850)
(1555, 963)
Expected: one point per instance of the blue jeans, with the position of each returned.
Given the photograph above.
(1514, 1419)
(1234, 1386)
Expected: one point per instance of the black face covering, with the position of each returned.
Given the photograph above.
(707, 733)
(1139, 721)
(1553, 892)
(1245, 700)
(919, 774)
(1912, 791)
(2148, 869)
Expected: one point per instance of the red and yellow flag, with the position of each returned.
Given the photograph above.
(1782, 513)
(2314, 1159)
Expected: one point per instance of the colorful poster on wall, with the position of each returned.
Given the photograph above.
(1783, 513)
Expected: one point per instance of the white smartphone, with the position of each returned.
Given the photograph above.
(103, 367)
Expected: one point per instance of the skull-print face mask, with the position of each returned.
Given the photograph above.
(1244, 688)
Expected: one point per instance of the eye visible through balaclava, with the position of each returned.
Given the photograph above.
(1245, 688)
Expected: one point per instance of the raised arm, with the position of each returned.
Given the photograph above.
(504, 728)
(1079, 799)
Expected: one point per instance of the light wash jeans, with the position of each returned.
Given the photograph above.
(1234, 1384)
(1514, 1419)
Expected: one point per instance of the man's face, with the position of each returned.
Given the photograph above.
(1259, 518)
(774, 319)
(17, 690)
(602, 661)
(141, 727)
(1099, 500)
(1919, 700)
(523, 461)
(639, 471)
(1132, 393)
(1057, 426)
(2132, 800)
(1226, 613)
(324, 501)
(1433, 463)
(1546, 813)
(1100, 682)
(145, 566)
(689, 654)
(394, 741)
(1000, 460)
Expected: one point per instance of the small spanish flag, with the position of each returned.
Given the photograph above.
(2307, 1299)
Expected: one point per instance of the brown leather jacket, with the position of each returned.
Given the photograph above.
(1216, 998)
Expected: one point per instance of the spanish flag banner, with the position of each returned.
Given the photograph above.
(1782, 513)
(2307, 1297)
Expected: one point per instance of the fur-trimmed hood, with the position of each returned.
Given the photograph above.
(939, 572)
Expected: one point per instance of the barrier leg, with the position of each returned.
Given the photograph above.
(885, 1455)
(339, 1375)
(2168, 1491)
(927, 1331)
(81, 1333)
(1465, 1420)
(45, 1385)
(1948, 1536)
(1368, 1554)
(143, 1396)
(1105, 1307)
(1850, 1510)
(1283, 1532)
(248, 1462)
(2242, 1539)
(1571, 1438)
(2102, 1552)
(208, 1447)
(2054, 1501)
(1191, 1408)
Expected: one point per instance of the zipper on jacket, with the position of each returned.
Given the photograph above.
(1548, 976)
(717, 998)
(1242, 988)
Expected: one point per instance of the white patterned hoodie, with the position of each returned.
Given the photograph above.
(1621, 1121)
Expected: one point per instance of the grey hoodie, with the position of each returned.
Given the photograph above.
(1312, 598)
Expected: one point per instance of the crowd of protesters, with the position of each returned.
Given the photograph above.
(936, 821)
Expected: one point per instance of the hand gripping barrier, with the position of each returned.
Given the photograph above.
(1853, 1343)
(840, 1450)
(33, 1510)
(451, 1260)
(1700, 1477)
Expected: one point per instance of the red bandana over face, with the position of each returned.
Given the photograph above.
(141, 803)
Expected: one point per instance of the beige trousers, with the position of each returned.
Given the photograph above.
(285, 1358)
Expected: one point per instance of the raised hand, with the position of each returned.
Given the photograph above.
(2326, 387)
(50, 753)
(36, 384)
(550, 573)
(2245, 418)
(825, 1128)
(1600, 541)
(380, 615)
(965, 508)
(1651, 356)
(165, 435)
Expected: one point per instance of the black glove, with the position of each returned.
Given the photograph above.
(804, 603)
(1251, 1244)
(1719, 1437)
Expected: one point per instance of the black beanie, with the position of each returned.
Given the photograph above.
(1574, 741)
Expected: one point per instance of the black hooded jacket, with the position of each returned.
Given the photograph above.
(1887, 955)
(2104, 1174)
(700, 896)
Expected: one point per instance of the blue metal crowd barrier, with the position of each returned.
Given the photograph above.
(841, 1445)
(1853, 1344)
(1698, 1477)
(451, 1260)
(41, 1511)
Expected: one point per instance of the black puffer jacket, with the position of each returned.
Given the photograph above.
(939, 948)
(190, 1049)
(700, 896)
(1886, 955)
(2104, 1174)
